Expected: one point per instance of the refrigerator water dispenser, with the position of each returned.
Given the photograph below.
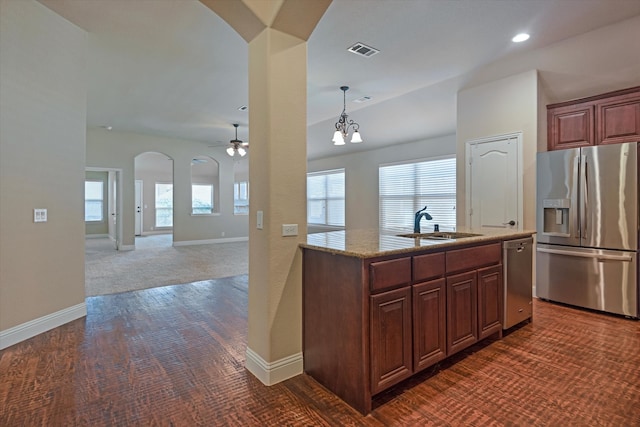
(556, 217)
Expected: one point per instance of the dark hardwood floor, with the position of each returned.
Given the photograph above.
(175, 356)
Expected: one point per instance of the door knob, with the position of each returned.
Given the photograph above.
(512, 223)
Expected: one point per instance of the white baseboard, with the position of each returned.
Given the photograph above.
(42, 324)
(210, 241)
(127, 247)
(156, 232)
(96, 236)
(271, 373)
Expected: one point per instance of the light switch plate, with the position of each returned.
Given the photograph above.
(289, 229)
(39, 215)
(259, 220)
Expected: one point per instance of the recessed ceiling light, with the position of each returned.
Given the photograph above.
(107, 127)
(243, 108)
(520, 38)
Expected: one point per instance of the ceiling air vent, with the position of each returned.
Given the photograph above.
(363, 99)
(363, 50)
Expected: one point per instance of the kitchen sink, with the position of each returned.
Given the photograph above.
(440, 235)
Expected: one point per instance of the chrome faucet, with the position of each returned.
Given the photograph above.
(419, 215)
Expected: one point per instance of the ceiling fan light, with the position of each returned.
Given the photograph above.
(230, 151)
(337, 138)
(355, 138)
(242, 151)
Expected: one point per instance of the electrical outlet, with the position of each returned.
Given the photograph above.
(289, 229)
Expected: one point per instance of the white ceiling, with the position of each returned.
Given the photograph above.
(174, 68)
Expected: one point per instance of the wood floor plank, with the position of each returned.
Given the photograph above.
(175, 356)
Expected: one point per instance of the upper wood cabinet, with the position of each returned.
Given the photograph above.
(618, 119)
(610, 118)
(570, 126)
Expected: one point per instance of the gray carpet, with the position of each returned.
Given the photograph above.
(156, 263)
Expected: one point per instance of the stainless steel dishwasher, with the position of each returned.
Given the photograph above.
(517, 256)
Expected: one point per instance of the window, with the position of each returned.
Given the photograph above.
(201, 199)
(240, 198)
(164, 205)
(325, 198)
(204, 186)
(93, 201)
(408, 187)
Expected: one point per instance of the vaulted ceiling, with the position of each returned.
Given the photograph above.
(174, 68)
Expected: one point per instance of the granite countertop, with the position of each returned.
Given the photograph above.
(372, 243)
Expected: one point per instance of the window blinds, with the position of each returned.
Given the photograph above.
(406, 188)
(325, 197)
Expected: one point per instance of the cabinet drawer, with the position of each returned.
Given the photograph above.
(472, 258)
(389, 274)
(427, 267)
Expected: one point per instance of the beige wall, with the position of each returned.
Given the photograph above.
(505, 106)
(361, 174)
(42, 149)
(113, 149)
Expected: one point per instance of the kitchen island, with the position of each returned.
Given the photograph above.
(380, 308)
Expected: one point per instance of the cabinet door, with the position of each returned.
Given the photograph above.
(490, 300)
(618, 119)
(570, 126)
(429, 323)
(462, 311)
(390, 338)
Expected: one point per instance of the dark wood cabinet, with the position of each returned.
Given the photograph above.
(490, 301)
(429, 323)
(609, 118)
(391, 338)
(370, 323)
(462, 311)
(474, 280)
(618, 119)
(570, 126)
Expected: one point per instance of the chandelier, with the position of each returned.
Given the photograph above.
(343, 124)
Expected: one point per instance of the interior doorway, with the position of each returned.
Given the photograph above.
(113, 204)
(154, 198)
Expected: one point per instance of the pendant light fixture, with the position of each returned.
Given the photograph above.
(343, 124)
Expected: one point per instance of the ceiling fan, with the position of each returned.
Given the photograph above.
(237, 146)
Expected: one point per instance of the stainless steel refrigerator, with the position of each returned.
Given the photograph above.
(587, 227)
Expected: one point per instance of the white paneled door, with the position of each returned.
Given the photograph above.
(494, 182)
